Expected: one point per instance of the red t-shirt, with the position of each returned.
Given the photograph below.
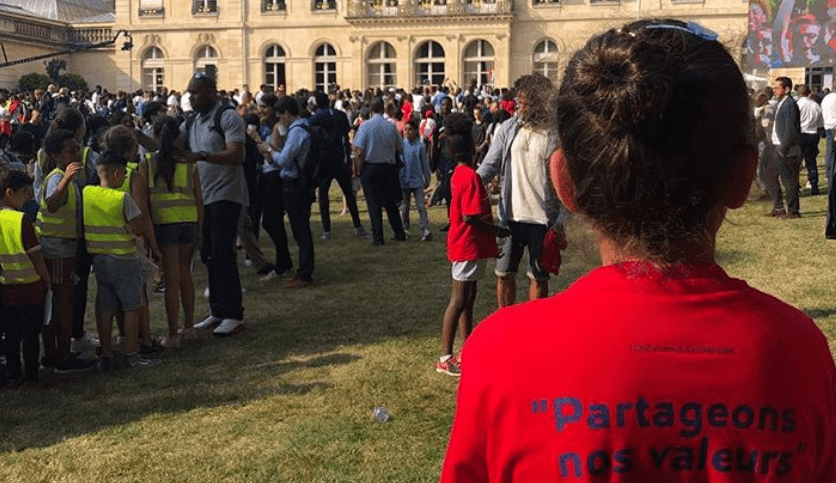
(29, 293)
(469, 198)
(632, 375)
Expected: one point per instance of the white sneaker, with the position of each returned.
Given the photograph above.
(84, 344)
(248, 262)
(326, 235)
(229, 327)
(268, 276)
(207, 322)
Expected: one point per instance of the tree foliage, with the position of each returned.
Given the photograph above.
(73, 82)
(30, 82)
(54, 68)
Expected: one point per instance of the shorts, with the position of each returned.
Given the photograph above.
(523, 235)
(176, 233)
(118, 283)
(469, 271)
(61, 270)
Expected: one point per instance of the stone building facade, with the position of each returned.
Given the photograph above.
(357, 43)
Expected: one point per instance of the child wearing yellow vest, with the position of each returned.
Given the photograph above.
(24, 279)
(58, 226)
(176, 203)
(111, 221)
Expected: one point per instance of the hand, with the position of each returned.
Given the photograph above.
(72, 170)
(264, 149)
(189, 157)
(502, 232)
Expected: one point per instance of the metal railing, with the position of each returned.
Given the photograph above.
(424, 8)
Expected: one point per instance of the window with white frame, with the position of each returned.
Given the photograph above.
(478, 63)
(380, 65)
(206, 60)
(274, 73)
(429, 63)
(151, 8)
(323, 4)
(153, 70)
(205, 6)
(273, 6)
(325, 67)
(545, 59)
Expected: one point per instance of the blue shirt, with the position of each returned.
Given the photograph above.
(294, 152)
(416, 170)
(379, 139)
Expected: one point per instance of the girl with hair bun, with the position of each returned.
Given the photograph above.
(657, 366)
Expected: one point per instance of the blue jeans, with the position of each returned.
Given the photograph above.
(418, 194)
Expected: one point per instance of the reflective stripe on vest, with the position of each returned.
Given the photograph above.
(179, 204)
(105, 230)
(64, 222)
(17, 267)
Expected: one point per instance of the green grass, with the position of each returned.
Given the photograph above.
(291, 398)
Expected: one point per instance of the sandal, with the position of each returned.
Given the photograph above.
(188, 333)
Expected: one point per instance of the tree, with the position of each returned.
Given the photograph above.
(73, 82)
(54, 68)
(30, 82)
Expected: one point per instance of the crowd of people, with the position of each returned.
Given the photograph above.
(204, 168)
(657, 366)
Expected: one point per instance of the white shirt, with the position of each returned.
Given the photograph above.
(171, 101)
(186, 102)
(828, 110)
(775, 139)
(528, 177)
(811, 115)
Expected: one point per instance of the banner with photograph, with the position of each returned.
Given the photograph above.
(791, 33)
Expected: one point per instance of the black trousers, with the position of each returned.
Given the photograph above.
(273, 219)
(297, 202)
(383, 192)
(810, 149)
(22, 324)
(220, 227)
(340, 172)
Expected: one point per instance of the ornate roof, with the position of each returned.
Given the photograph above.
(70, 11)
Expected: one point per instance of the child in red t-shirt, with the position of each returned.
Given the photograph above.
(658, 366)
(470, 241)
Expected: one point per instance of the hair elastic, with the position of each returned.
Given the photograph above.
(691, 27)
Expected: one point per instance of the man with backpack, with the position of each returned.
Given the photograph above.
(220, 156)
(295, 166)
(334, 167)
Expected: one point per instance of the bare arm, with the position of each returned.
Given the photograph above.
(482, 225)
(198, 196)
(57, 199)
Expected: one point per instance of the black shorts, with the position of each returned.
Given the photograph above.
(176, 233)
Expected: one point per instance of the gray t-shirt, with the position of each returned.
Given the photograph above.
(219, 182)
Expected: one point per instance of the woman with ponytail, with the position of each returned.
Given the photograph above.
(176, 205)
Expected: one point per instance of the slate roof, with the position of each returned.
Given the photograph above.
(70, 11)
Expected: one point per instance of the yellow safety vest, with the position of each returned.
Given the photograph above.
(179, 204)
(81, 177)
(17, 267)
(64, 222)
(129, 171)
(105, 230)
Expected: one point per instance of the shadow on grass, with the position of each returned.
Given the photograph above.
(820, 313)
(362, 295)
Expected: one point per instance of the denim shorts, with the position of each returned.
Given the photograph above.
(118, 283)
(523, 235)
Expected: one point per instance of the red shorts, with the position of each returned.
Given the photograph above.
(61, 270)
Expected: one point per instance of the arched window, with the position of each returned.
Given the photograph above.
(545, 59)
(380, 65)
(478, 63)
(274, 74)
(325, 67)
(206, 60)
(429, 63)
(153, 72)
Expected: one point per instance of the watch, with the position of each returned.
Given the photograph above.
(202, 156)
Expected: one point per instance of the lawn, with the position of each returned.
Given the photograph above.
(291, 398)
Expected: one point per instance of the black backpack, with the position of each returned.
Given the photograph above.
(317, 155)
(216, 124)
